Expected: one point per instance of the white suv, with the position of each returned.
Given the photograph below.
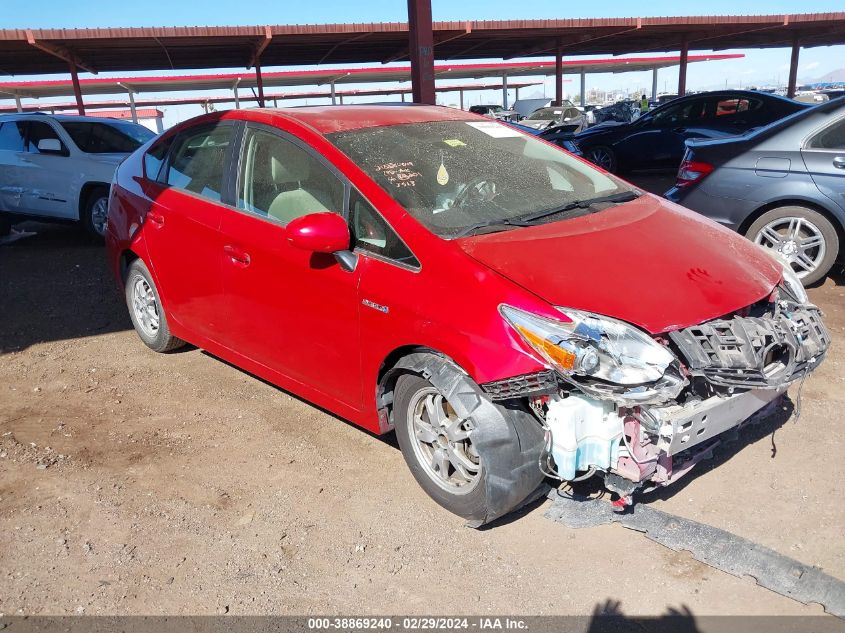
(60, 167)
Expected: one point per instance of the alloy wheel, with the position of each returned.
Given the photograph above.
(99, 215)
(602, 158)
(145, 307)
(797, 241)
(442, 443)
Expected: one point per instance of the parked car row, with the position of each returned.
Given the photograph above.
(782, 186)
(656, 139)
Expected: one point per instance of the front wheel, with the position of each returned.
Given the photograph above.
(477, 459)
(603, 157)
(801, 236)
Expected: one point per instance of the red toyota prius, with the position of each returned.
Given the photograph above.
(512, 312)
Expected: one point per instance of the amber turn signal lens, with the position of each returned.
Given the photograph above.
(561, 357)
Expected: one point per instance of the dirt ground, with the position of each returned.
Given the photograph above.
(138, 483)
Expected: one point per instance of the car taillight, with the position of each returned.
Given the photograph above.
(692, 171)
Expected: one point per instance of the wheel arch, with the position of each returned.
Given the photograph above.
(125, 260)
(86, 190)
(835, 220)
(398, 362)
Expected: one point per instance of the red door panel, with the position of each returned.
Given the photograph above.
(293, 311)
(182, 232)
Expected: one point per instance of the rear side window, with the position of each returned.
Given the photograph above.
(372, 233)
(37, 132)
(197, 162)
(832, 137)
(154, 159)
(12, 136)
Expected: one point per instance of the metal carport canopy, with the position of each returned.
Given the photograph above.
(39, 51)
(114, 85)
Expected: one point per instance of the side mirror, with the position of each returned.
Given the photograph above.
(50, 146)
(324, 232)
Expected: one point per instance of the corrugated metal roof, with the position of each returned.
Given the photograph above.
(153, 48)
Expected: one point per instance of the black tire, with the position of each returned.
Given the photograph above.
(158, 339)
(90, 212)
(508, 442)
(603, 157)
(819, 224)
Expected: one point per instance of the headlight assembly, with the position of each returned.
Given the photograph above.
(603, 356)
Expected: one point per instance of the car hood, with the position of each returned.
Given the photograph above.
(603, 127)
(648, 262)
(537, 124)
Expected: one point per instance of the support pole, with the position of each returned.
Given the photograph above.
(334, 93)
(235, 90)
(583, 88)
(341, 99)
(77, 91)
(558, 77)
(505, 91)
(682, 70)
(515, 95)
(18, 103)
(793, 68)
(159, 125)
(654, 84)
(259, 82)
(132, 108)
(403, 97)
(461, 93)
(421, 48)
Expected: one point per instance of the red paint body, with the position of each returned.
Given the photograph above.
(233, 283)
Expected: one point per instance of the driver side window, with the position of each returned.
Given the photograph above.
(282, 181)
(680, 114)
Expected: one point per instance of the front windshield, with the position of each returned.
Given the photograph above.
(545, 113)
(451, 175)
(107, 137)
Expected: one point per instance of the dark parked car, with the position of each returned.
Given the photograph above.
(656, 139)
(560, 136)
(620, 112)
(782, 186)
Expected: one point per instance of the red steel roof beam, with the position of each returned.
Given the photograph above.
(421, 46)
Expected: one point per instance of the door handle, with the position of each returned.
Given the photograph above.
(156, 218)
(839, 162)
(237, 256)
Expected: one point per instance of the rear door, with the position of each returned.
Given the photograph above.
(293, 311)
(824, 156)
(182, 228)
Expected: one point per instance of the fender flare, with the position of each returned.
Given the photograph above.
(508, 438)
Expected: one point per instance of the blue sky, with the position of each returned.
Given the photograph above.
(759, 66)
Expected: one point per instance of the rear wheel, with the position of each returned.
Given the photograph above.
(145, 310)
(95, 212)
(801, 236)
(479, 462)
(603, 157)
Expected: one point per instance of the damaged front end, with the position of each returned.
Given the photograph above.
(643, 411)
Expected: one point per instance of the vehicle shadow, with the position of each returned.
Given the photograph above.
(608, 617)
(56, 286)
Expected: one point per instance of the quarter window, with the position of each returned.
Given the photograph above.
(198, 159)
(372, 233)
(12, 136)
(832, 137)
(282, 181)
